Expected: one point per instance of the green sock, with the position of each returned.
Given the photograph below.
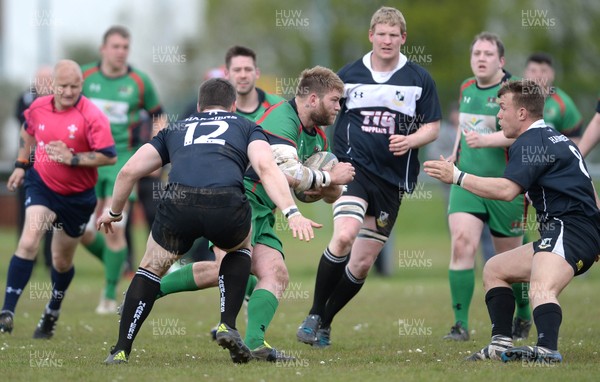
(261, 310)
(252, 280)
(520, 290)
(462, 285)
(96, 247)
(113, 266)
(180, 280)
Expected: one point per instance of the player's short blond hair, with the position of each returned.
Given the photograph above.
(319, 80)
(390, 16)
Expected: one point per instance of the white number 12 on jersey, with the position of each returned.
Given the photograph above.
(222, 127)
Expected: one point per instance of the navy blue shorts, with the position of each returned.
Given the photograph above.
(72, 211)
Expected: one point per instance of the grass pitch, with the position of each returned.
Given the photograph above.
(390, 332)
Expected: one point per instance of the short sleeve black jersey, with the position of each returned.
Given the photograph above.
(551, 169)
(377, 105)
(208, 150)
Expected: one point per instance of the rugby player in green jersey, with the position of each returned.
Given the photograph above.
(560, 111)
(294, 131)
(482, 148)
(121, 92)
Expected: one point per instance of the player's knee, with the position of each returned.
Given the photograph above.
(28, 247)
(463, 246)
(282, 276)
(360, 268)
(61, 265)
(343, 240)
(488, 275)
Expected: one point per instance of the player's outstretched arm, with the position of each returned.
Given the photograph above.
(143, 162)
(497, 139)
(489, 188)
(591, 136)
(277, 188)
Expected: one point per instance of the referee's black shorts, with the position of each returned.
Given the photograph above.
(576, 238)
(222, 215)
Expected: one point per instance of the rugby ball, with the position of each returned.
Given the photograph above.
(322, 160)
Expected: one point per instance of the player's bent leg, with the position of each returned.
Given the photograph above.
(364, 252)
(550, 274)
(62, 273)
(499, 297)
(140, 298)
(465, 231)
(349, 213)
(522, 322)
(508, 267)
(272, 274)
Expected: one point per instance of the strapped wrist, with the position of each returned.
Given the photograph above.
(326, 178)
(291, 211)
(114, 215)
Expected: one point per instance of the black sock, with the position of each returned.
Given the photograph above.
(137, 306)
(233, 277)
(500, 302)
(547, 318)
(60, 283)
(346, 289)
(329, 273)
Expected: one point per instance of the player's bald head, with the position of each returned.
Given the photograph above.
(67, 67)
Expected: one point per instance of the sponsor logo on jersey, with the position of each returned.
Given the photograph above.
(479, 123)
(466, 99)
(358, 94)
(125, 91)
(378, 122)
(115, 111)
(41, 127)
(492, 103)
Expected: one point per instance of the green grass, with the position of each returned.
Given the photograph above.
(368, 343)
